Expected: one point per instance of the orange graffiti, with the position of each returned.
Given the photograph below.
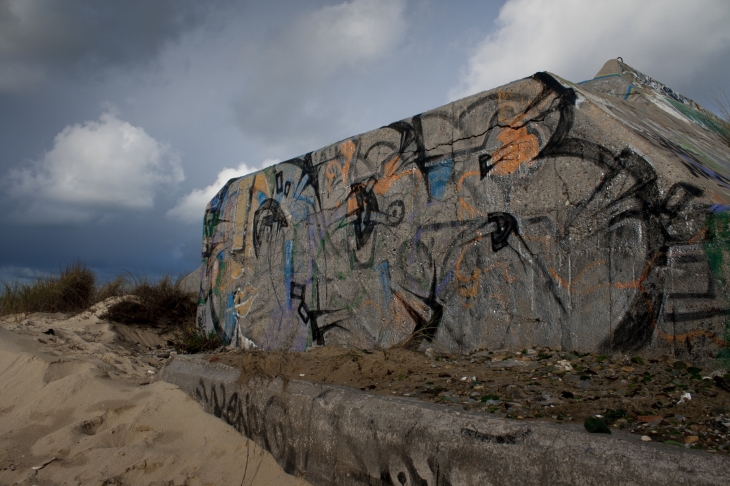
(468, 285)
(348, 150)
(503, 266)
(520, 147)
(698, 237)
(473, 290)
(469, 209)
(389, 176)
(404, 309)
(259, 184)
(331, 173)
(577, 279)
(244, 300)
(352, 205)
(470, 173)
(639, 284)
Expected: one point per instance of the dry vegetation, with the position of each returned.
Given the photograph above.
(722, 104)
(162, 304)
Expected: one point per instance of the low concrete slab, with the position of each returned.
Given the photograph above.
(336, 435)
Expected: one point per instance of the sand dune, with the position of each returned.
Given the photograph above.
(80, 406)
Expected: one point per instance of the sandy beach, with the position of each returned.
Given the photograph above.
(81, 405)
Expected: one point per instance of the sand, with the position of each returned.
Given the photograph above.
(83, 406)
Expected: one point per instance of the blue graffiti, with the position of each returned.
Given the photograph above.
(438, 176)
(384, 271)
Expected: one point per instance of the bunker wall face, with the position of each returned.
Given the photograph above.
(524, 216)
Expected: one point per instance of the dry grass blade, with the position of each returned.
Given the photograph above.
(722, 103)
(71, 291)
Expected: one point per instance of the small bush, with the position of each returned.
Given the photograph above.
(162, 304)
(72, 291)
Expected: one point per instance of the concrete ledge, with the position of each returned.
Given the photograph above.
(336, 435)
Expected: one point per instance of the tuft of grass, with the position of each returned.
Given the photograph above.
(195, 339)
(722, 104)
(71, 291)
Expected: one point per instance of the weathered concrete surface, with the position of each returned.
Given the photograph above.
(191, 281)
(334, 435)
(587, 217)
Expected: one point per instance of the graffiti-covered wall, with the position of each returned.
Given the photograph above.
(538, 214)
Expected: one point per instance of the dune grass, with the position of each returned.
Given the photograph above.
(73, 290)
(162, 304)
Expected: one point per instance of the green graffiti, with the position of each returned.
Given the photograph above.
(712, 123)
(210, 224)
(717, 249)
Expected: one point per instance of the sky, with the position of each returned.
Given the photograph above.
(121, 119)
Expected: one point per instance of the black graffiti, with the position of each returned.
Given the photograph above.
(506, 225)
(268, 422)
(509, 439)
(233, 410)
(310, 317)
(309, 177)
(268, 219)
(365, 205)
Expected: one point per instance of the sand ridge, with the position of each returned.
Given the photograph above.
(81, 406)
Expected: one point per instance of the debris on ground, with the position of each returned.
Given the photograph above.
(661, 400)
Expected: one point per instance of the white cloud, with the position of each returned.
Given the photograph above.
(288, 93)
(191, 207)
(674, 41)
(92, 171)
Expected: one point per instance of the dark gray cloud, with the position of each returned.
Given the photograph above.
(43, 39)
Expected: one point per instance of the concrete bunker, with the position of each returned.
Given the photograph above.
(589, 217)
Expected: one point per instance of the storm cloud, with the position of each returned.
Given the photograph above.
(120, 119)
(43, 39)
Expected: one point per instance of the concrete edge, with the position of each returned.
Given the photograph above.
(331, 435)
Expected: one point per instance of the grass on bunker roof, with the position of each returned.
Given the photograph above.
(641, 396)
(138, 301)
